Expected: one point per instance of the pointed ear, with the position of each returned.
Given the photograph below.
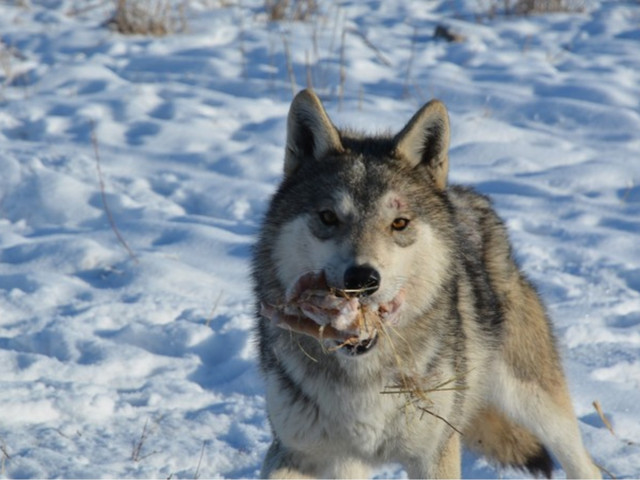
(310, 133)
(425, 141)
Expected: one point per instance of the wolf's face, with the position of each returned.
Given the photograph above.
(366, 231)
(366, 212)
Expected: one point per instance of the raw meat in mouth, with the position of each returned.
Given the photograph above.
(313, 308)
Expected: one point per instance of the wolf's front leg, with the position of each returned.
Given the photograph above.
(449, 463)
(548, 414)
(282, 463)
(346, 468)
(442, 462)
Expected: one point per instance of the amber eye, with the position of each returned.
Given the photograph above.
(329, 218)
(400, 224)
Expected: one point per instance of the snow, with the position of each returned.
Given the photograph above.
(143, 365)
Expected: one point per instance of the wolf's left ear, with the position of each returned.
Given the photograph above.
(425, 141)
(310, 133)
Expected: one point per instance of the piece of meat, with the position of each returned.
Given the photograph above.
(334, 315)
(301, 324)
(312, 308)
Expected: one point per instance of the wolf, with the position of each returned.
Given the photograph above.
(461, 351)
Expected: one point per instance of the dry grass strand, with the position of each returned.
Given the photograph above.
(136, 451)
(103, 196)
(292, 10)
(605, 420)
(532, 7)
(5, 458)
(148, 17)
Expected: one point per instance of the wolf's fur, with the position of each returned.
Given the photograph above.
(470, 319)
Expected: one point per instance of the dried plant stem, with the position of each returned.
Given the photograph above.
(197, 474)
(383, 59)
(216, 303)
(241, 45)
(343, 70)
(158, 17)
(5, 457)
(87, 8)
(290, 71)
(605, 420)
(409, 385)
(607, 423)
(298, 10)
(306, 354)
(309, 72)
(417, 396)
(408, 75)
(103, 196)
(136, 453)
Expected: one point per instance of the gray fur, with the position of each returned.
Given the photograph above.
(469, 315)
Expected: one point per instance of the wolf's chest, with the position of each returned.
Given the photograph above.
(338, 418)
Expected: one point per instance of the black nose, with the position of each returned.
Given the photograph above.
(364, 279)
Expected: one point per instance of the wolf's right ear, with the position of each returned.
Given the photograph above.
(310, 133)
(425, 141)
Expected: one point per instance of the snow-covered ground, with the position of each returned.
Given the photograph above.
(141, 363)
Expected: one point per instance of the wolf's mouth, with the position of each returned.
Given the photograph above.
(343, 322)
(357, 349)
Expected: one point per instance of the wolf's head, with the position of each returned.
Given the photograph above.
(370, 212)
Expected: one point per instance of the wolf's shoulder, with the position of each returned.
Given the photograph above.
(465, 197)
(479, 226)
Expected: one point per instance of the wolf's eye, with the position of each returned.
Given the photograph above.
(329, 218)
(399, 224)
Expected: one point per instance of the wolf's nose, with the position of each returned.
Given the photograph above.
(363, 279)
